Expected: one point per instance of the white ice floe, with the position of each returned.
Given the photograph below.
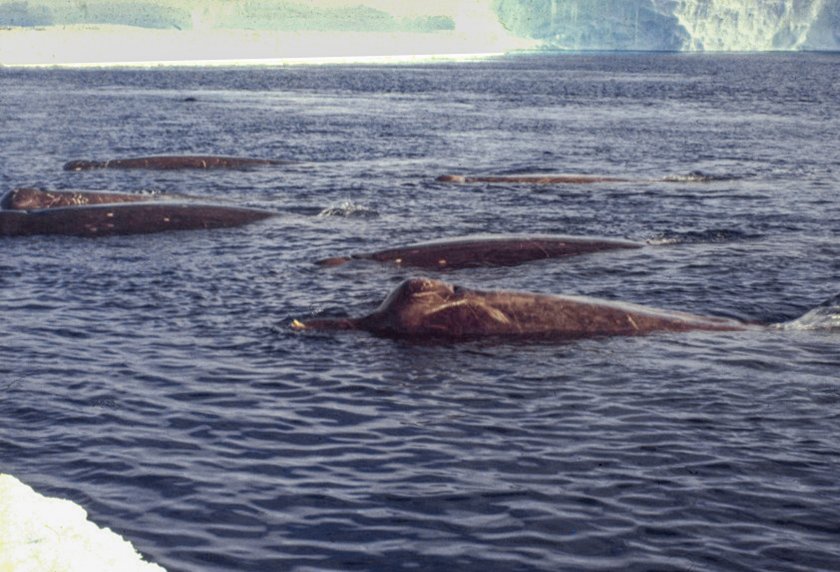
(42, 534)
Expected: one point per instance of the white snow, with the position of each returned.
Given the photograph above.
(43, 534)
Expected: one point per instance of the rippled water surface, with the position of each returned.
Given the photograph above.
(155, 381)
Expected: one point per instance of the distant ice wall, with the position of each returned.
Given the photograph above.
(721, 25)
(750, 25)
(673, 25)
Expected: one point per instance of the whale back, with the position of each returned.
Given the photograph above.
(483, 251)
(169, 162)
(29, 199)
(142, 218)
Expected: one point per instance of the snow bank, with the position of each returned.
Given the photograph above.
(39, 534)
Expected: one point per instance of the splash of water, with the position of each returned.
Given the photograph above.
(348, 209)
(708, 236)
(825, 317)
(700, 177)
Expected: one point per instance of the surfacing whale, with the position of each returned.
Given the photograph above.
(535, 179)
(171, 162)
(26, 212)
(485, 250)
(424, 308)
(574, 179)
(28, 198)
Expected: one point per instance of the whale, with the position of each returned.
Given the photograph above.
(30, 198)
(173, 162)
(27, 212)
(534, 179)
(431, 309)
(576, 179)
(485, 250)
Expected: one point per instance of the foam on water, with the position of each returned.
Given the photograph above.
(825, 317)
(711, 235)
(348, 209)
(699, 177)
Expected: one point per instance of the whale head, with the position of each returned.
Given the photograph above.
(418, 294)
(25, 199)
(427, 307)
(403, 311)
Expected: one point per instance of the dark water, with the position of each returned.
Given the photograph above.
(154, 379)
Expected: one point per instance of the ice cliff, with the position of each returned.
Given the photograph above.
(693, 25)
(674, 25)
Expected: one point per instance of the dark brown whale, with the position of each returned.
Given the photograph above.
(28, 199)
(171, 162)
(25, 212)
(432, 309)
(485, 250)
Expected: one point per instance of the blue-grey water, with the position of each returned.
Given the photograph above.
(155, 381)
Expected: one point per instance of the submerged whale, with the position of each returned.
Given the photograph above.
(171, 162)
(536, 179)
(571, 179)
(25, 212)
(433, 309)
(485, 250)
